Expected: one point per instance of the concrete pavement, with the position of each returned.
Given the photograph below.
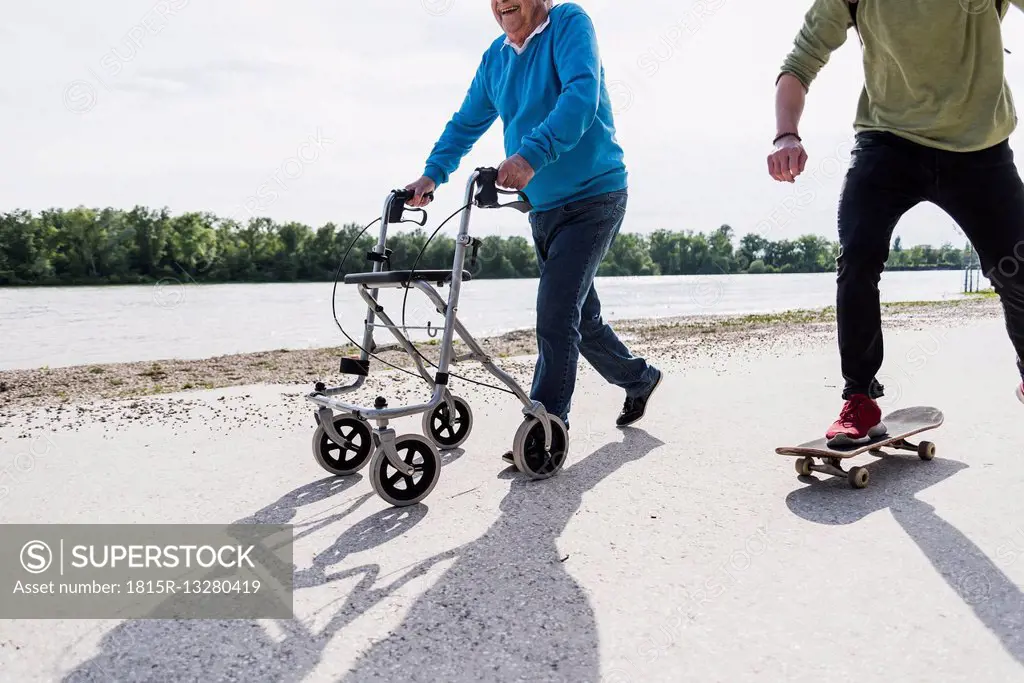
(683, 549)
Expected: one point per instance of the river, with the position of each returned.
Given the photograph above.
(85, 325)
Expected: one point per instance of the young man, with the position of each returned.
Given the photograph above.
(543, 77)
(932, 126)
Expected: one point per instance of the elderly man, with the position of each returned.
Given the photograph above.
(932, 126)
(544, 79)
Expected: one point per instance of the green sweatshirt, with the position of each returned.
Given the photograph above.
(933, 69)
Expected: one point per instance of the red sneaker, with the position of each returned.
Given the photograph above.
(1020, 392)
(859, 421)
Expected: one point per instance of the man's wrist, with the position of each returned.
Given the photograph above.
(435, 173)
(532, 156)
(786, 134)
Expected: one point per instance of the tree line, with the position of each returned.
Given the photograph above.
(109, 246)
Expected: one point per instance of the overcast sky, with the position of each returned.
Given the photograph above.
(196, 105)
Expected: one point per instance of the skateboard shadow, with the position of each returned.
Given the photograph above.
(994, 598)
(894, 479)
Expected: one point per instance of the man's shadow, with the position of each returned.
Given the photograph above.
(507, 608)
(895, 481)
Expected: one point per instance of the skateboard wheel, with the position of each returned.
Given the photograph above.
(859, 477)
(926, 450)
(803, 466)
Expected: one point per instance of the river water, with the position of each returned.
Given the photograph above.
(85, 325)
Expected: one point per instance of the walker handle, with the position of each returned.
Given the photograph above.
(406, 195)
(487, 197)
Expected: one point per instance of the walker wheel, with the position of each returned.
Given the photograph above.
(446, 431)
(349, 457)
(396, 488)
(858, 477)
(926, 450)
(528, 451)
(803, 466)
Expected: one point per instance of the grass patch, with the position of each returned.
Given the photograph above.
(97, 370)
(155, 372)
(795, 317)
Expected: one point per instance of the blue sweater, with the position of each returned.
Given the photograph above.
(555, 109)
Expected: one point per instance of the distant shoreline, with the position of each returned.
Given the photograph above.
(665, 336)
(187, 280)
(89, 246)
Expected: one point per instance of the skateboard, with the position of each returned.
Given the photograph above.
(899, 424)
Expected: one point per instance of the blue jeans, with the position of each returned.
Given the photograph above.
(571, 241)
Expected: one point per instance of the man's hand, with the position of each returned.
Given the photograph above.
(788, 160)
(515, 173)
(421, 187)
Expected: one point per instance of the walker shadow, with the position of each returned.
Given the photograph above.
(507, 608)
(165, 649)
(995, 599)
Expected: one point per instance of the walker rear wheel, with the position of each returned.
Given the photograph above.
(396, 488)
(347, 458)
(529, 454)
(449, 431)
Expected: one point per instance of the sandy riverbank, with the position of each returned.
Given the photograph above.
(662, 338)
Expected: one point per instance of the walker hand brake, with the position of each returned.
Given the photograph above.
(398, 208)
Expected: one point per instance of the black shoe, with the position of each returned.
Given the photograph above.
(634, 408)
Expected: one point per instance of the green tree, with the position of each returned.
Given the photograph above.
(757, 267)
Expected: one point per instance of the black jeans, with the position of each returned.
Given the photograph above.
(888, 176)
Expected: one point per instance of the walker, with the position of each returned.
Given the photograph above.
(404, 469)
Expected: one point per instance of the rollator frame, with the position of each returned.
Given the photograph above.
(325, 398)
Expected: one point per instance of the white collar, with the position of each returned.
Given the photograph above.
(538, 31)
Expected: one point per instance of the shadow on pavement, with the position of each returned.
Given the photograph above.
(213, 650)
(506, 609)
(995, 599)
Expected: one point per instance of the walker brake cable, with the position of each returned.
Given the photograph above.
(334, 310)
(405, 299)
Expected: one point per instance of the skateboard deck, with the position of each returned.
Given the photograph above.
(899, 424)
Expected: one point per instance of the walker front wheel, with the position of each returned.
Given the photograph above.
(398, 489)
(346, 458)
(529, 454)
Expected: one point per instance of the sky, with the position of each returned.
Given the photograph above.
(312, 111)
